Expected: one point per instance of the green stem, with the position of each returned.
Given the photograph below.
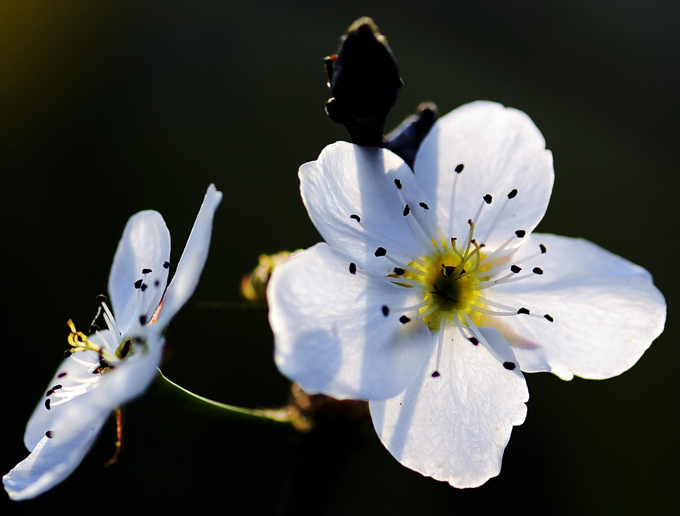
(170, 391)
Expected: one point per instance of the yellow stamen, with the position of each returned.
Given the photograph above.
(79, 342)
(449, 288)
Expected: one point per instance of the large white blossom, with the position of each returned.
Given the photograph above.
(431, 295)
(114, 365)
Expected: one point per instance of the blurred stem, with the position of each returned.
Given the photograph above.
(170, 391)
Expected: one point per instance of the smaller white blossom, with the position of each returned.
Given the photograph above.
(117, 364)
(431, 295)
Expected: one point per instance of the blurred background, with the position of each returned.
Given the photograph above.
(108, 108)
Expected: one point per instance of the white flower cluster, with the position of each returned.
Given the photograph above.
(430, 298)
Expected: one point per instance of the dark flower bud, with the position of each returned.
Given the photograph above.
(365, 83)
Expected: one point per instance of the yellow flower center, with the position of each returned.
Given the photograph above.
(450, 278)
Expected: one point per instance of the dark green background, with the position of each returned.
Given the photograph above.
(107, 108)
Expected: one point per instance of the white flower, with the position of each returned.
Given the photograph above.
(112, 366)
(431, 295)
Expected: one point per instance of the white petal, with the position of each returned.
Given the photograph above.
(501, 150)
(350, 180)
(145, 245)
(69, 374)
(455, 427)
(606, 310)
(50, 462)
(331, 334)
(193, 258)
(127, 381)
(43, 419)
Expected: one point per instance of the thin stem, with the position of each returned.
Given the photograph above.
(170, 391)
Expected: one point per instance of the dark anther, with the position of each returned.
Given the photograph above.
(398, 183)
(406, 138)
(61, 375)
(435, 374)
(399, 271)
(125, 349)
(537, 270)
(403, 319)
(166, 265)
(474, 340)
(364, 81)
(49, 393)
(380, 251)
(355, 217)
(146, 271)
(49, 434)
(459, 168)
(487, 198)
(447, 270)
(524, 311)
(58, 386)
(509, 365)
(352, 268)
(520, 233)
(515, 269)
(512, 194)
(67, 353)
(543, 249)
(101, 298)
(385, 310)
(138, 283)
(407, 210)
(144, 287)
(47, 403)
(424, 206)
(142, 319)
(549, 317)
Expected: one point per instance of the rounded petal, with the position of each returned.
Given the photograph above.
(50, 462)
(339, 333)
(193, 258)
(128, 380)
(145, 246)
(454, 427)
(606, 310)
(352, 199)
(501, 151)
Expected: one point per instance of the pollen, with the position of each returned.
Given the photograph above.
(80, 342)
(449, 277)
